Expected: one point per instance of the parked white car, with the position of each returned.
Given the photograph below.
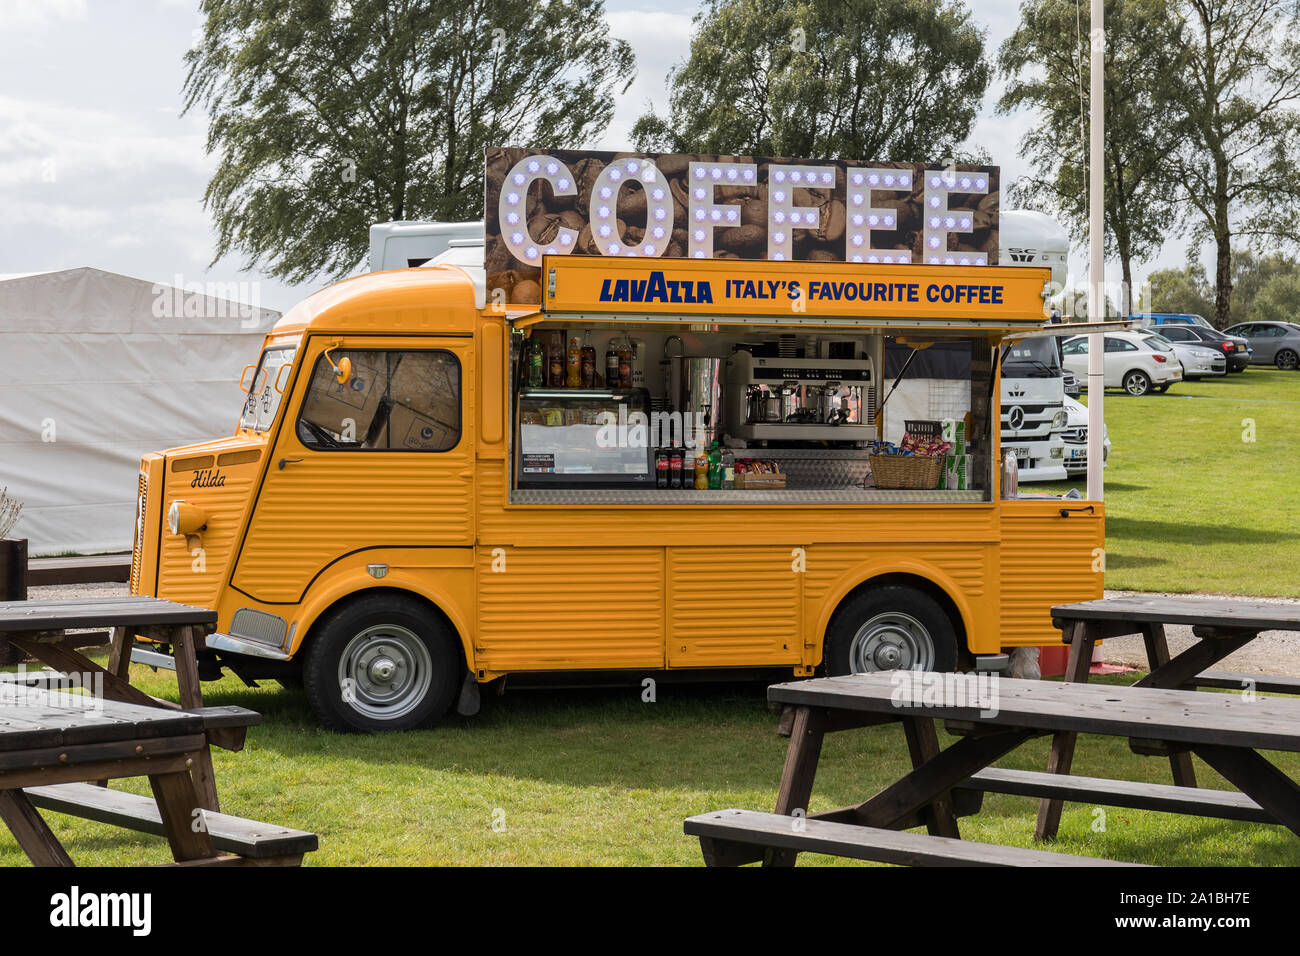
(1134, 361)
(1075, 437)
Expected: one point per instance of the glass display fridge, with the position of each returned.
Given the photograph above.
(584, 438)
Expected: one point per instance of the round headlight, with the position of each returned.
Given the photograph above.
(185, 518)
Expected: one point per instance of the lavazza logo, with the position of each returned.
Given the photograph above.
(75, 909)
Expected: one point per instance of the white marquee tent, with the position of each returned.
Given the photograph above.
(99, 368)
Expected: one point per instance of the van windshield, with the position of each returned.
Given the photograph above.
(1032, 358)
(262, 400)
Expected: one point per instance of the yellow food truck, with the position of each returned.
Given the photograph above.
(658, 466)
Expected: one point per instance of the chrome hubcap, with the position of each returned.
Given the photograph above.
(1136, 385)
(891, 641)
(385, 672)
(382, 669)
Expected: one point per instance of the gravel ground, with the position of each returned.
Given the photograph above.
(68, 592)
(1273, 652)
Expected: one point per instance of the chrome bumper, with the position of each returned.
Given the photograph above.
(140, 655)
(237, 645)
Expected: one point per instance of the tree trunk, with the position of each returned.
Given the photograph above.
(1222, 243)
(1126, 292)
(1223, 273)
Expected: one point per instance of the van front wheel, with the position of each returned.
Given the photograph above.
(382, 663)
(890, 628)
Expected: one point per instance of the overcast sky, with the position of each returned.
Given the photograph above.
(98, 167)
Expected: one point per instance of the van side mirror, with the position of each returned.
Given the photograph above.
(343, 368)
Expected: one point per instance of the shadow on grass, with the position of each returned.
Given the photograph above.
(1119, 562)
(1185, 532)
(694, 736)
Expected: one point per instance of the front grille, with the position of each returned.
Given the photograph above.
(259, 626)
(1077, 436)
(137, 549)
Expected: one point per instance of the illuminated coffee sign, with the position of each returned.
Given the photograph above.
(564, 202)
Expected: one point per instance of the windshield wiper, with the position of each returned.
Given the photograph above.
(1043, 365)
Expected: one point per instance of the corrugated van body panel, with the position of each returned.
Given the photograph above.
(733, 607)
(570, 608)
(1047, 560)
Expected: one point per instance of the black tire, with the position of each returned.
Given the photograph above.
(364, 643)
(1287, 360)
(1136, 382)
(1164, 388)
(878, 608)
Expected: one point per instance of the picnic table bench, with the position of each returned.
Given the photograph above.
(945, 785)
(39, 629)
(51, 742)
(1220, 626)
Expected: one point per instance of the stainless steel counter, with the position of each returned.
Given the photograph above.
(656, 496)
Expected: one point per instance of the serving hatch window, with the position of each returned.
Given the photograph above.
(263, 397)
(392, 400)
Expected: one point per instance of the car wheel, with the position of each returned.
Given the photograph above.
(890, 628)
(1165, 387)
(1137, 382)
(1287, 359)
(381, 663)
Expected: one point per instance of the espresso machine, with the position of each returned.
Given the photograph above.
(793, 399)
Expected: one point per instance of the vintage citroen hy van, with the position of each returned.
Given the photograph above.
(406, 510)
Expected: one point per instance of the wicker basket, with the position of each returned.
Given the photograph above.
(916, 472)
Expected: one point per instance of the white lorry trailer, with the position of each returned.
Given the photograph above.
(1034, 418)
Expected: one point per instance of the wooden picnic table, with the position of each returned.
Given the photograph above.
(1220, 626)
(50, 742)
(944, 785)
(38, 628)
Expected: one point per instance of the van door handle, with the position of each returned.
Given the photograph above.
(1066, 512)
(287, 461)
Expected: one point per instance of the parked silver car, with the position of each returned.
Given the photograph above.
(1275, 343)
(1234, 348)
(1199, 361)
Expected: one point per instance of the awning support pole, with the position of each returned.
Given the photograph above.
(1096, 251)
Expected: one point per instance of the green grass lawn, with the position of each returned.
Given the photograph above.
(598, 777)
(1190, 506)
(589, 777)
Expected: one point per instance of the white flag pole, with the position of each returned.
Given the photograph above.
(1096, 251)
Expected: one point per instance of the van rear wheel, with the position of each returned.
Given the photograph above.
(381, 663)
(890, 628)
